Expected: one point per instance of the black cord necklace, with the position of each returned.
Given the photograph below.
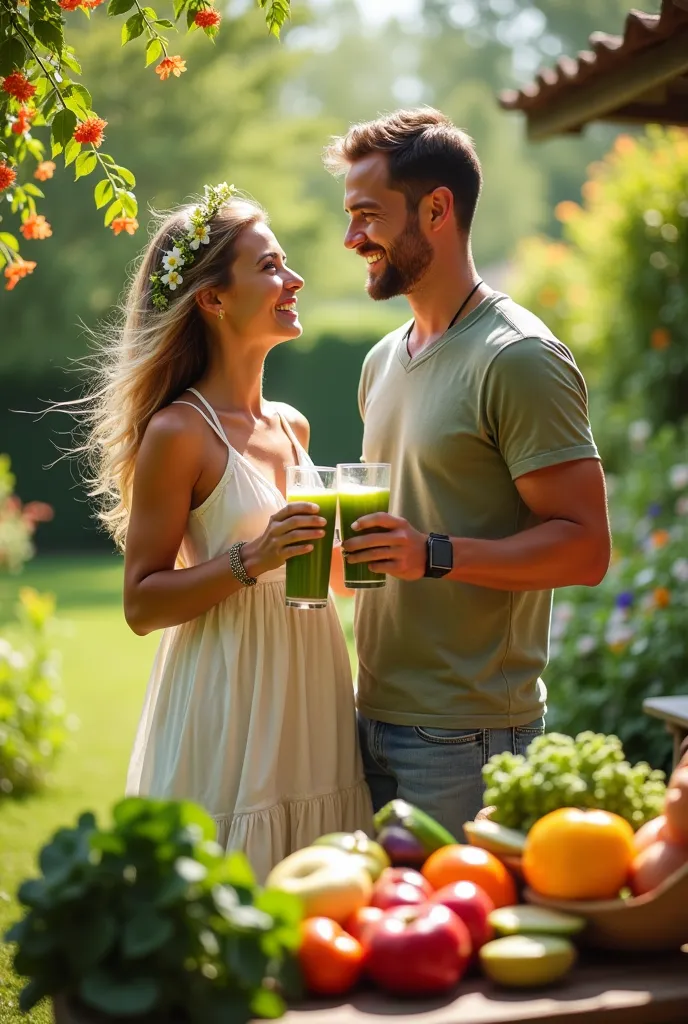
(453, 319)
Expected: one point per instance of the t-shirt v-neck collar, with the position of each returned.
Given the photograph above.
(410, 362)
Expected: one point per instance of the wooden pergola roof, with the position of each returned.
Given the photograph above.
(640, 77)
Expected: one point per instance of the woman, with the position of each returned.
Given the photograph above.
(250, 708)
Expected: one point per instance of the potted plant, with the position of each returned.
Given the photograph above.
(151, 922)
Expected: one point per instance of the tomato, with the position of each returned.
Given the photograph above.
(331, 960)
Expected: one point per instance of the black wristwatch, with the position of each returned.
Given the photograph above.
(440, 556)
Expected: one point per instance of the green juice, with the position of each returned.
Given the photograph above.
(308, 576)
(355, 501)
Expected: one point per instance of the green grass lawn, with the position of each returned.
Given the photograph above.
(105, 672)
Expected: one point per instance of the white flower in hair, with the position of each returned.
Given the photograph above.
(172, 279)
(199, 235)
(173, 258)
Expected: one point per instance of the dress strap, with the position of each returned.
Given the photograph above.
(213, 415)
(298, 447)
(215, 426)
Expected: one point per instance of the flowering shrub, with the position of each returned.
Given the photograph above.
(616, 644)
(614, 290)
(17, 521)
(33, 722)
(38, 89)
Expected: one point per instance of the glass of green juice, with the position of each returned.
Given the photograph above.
(308, 576)
(363, 488)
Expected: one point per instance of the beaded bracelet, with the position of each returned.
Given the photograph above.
(237, 566)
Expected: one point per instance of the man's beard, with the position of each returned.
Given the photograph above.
(408, 258)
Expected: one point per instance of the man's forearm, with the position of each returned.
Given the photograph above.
(554, 554)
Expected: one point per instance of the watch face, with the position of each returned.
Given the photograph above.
(442, 554)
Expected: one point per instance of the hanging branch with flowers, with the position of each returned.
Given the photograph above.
(38, 90)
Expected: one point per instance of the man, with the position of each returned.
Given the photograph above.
(483, 415)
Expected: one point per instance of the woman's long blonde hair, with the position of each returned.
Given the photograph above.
(148, 357)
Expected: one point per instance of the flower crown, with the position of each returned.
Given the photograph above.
(184, 246)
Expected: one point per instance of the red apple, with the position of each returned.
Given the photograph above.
(419, 950)
(357, 924)
(400, 886)
(472, 905)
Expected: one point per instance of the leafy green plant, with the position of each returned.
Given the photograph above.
(150, 918)
(616, 644)
(34, 725)
(17, 521)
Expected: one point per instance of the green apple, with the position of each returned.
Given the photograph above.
(329, 882)
(527, 961)
(373, 855)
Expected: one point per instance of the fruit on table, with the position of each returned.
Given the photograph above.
(372, 853)
(560, 771)
(574, 854)
(473, 906)
(419, 950)
(655, 864)
(528, 920)
(489, 835)
(400, 886)
(429, 833)
(331, 960)
(329, 882)
(402, 847)
(357, 923)
(459, 863)
(527, 961)
(676, 806)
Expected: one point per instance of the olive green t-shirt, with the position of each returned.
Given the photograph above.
(496, 397)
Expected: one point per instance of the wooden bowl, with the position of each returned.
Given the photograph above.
(656, 921)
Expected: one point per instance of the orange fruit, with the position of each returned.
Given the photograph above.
(574, 854)
(459, 863)
(331, 961)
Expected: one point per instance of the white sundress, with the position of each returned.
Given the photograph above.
(249, 710)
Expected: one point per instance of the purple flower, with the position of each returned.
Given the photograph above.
(654, 510)
(624, 599)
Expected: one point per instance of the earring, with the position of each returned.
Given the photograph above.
(220, 314)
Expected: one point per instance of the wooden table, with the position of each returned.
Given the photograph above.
(673, 711)
(602, 989)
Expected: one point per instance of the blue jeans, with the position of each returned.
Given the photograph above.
(438, 770)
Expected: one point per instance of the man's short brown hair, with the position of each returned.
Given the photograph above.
(425, 151)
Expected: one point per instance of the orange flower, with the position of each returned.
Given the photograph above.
(90, 130)
(566, 211)
(45, 170)
(91, 4)
(16, 270)
(25, 116)
(170, 66)
(659, 538)
(18, 86)
(662, 597)
(591, 190)
(69, 5)
(660, 339)
(209, 18)
(128, 224)
(7, 176)
(624, 145)
(36, 226)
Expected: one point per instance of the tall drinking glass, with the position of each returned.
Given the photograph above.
(308, 576)
(363, 488)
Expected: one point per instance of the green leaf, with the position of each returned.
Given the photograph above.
(103, 192)
(78, 99)
(179, 6)
(126, 175)
(164, 23)
(33, 190)
(112, 212)
(267, 1004)
(146, 933)
(150, 13)
(86, 162)
(281, 905)
(132, 28)
(129, 203)
(246, 960)
(70, 61)
(50, 34)
(32, 994)
(119, 7)
(72, 150)
(56, 148)
(11, 242)
(12, 55)
(88, 939)
(63, 126)
(102, 991)
(153, 51)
